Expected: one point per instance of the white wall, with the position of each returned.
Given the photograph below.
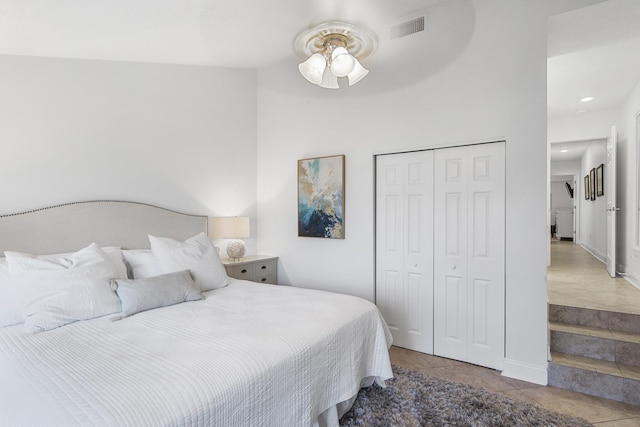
(628, 254)
(592, 232)
(582, 127)
(493, 88)
(565, 167)
(560, 196)
(180, 137)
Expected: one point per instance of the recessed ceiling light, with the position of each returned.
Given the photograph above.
(587, 99)
(564, 151)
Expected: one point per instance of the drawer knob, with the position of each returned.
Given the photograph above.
(264, 279)
(264, 267)
(244, 270)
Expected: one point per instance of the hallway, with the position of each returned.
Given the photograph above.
(577, 279)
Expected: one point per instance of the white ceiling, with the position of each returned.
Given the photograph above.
(226, 33)
(572, 150)
(593, 51)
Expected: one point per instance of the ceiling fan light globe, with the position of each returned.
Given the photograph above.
(313, 68)
(358, 73)
(329, 80)
(342, 62)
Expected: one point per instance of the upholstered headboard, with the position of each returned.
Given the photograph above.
(72, 226)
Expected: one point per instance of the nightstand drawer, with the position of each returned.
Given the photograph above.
(266, 278)
(242, 271)
(266, 267)
(256, 268)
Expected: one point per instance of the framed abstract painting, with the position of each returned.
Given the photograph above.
(321, 197)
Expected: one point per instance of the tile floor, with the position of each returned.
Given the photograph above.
(577, 279)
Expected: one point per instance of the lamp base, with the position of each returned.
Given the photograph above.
(236, 249)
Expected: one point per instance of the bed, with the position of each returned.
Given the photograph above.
(246, 354)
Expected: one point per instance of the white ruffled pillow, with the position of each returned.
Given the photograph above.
(10, 311)
(197, 254)
(54, 291)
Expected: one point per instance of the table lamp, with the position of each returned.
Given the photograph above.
(231, 227)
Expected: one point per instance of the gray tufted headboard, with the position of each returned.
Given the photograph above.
(72, 226)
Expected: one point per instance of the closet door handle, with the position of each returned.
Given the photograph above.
(453, 267)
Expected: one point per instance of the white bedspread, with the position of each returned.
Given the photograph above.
(247, 355)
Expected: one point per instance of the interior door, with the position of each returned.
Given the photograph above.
(469, 236)
(610, 194)
(404, 247)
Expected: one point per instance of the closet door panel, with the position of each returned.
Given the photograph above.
(486, 190)
(404, 236)
(469, 201)
(390, 290)
(450, 254)
(454, 308)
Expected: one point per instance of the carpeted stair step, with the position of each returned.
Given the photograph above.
(596, 343)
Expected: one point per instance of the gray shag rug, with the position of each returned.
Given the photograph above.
(414, 399)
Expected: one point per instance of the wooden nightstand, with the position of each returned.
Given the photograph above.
(257, 268)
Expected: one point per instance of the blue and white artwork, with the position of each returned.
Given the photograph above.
(321, 197)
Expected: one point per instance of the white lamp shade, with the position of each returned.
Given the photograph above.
(313, 68)
(329, 80)
(230, 227)
(342, 62)
(358, 73)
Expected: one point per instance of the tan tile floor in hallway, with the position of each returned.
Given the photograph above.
(577, 279)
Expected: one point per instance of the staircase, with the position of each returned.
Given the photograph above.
(595, 352)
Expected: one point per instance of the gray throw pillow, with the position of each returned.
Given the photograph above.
(153, 292)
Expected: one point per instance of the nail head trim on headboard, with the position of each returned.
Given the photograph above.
(71, 226)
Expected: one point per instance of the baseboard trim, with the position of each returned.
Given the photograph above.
(630, 276)
(599, 256)
(525, 371)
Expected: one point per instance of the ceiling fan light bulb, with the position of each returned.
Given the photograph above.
(342, 62)
(313, 68)
(358, 73)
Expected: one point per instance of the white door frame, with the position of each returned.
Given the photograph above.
(610, 194)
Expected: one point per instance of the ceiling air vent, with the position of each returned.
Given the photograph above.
(407, 28)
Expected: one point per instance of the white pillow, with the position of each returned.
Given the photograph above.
(197, 254)
(141, 263)
(10, 311)
(55, 291)
(154, 292)
(115, 255)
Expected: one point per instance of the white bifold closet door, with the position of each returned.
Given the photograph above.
(440, 239)
(469, 237)
(404, 247)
